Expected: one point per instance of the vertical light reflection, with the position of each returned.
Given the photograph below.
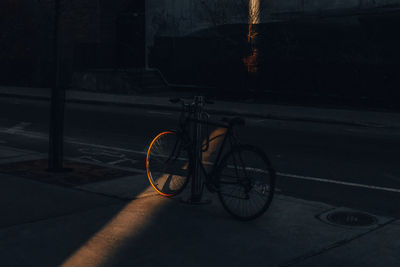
(254, 18)
(254, 11)
(251, 61)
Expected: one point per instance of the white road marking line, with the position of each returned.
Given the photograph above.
(25, 133)
(90, 158)
(106, 147)
(122, 160)
(338, 182)
(71, 141)
(101, 152)
(159, 113)
(18, 127)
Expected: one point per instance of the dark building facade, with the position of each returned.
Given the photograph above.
(94, 34)
(339, 52)
(335, 51)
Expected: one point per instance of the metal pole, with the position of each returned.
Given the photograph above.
(197, 181)
(146, 33)
(57, 103)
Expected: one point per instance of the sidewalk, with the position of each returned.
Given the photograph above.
(91, 225)
(266, 111)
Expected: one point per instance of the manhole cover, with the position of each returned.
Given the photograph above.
(351, 218)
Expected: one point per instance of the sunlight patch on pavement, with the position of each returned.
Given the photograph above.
(214, 144)
(130, 222)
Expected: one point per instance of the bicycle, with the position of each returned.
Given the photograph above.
(242, 177)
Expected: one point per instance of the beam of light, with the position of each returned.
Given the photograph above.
(130, 222)
(209, 156)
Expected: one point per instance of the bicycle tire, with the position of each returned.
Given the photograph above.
(167, 164)
(249, 196)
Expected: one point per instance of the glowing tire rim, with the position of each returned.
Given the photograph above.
(147, 164)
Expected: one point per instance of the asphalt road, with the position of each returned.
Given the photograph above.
(347, 166)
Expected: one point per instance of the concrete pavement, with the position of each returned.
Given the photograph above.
(371, 119)
(90, 225)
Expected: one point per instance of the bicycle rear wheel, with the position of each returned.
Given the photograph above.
(245, 182)
(167, 164)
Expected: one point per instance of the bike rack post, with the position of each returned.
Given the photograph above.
(197, 181)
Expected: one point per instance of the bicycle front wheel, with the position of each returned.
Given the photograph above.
(246, 182)
(167, 164)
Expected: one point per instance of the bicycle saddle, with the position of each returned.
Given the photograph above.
(234, 120)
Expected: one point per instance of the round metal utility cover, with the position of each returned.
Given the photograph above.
(351, 218)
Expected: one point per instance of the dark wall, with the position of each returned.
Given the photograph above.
(120, 40)
(22, 42)
(93, 34)
(351, 59)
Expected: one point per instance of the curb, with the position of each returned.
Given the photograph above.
(210, 110)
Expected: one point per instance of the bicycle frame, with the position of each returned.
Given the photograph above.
(225, 170)
(228, 136)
